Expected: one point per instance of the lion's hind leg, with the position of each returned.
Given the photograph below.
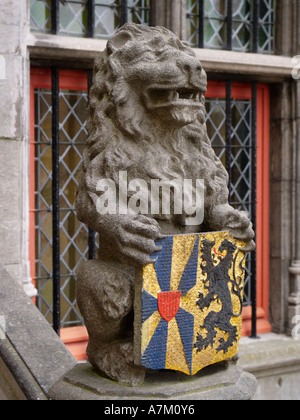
(232, 337)
(209, 340)
(105, 299)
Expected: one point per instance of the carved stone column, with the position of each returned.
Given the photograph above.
(294, 296)
(14, 141)
(171, 14)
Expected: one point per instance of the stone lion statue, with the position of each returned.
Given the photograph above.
(146, 118)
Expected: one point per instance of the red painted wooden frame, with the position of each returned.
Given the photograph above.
(76, 338)
(244, 91)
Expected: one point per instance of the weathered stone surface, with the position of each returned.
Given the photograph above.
(214, 383)
(10, 231)
(9, 389)
(34, 354)
(275, 361)
(146, 121)
(14, 137)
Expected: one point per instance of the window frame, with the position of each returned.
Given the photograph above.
(255, 25)
(125, 11)
(244, 91)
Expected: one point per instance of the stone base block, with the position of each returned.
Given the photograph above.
(213, 383)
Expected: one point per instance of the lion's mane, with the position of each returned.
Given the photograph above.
(123, 136)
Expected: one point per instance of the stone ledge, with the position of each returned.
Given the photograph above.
(33, 353)
(20, 381)
(271, 354)
(271, 67)
(275, 361)
(9, 388)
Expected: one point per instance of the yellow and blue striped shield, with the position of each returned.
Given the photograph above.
(188, 306)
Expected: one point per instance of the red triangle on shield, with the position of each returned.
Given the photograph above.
(168, 304)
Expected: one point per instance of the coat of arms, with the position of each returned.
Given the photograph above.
(188, 306)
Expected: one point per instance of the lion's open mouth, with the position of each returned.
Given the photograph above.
(160, 98)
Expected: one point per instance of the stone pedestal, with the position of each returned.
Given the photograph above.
(213, 383)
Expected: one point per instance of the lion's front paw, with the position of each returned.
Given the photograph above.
(236, 222)
(240, 227)
(137, 240)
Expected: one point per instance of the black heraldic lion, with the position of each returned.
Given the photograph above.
(146, 118)
(217, 285)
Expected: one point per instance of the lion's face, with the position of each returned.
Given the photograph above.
(164, 74)
(178, 99)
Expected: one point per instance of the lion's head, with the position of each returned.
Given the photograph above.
(149, 69)
(147, 113)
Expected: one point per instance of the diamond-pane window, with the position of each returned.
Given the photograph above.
(241, 156)
(232, 136)
(208, 24)
(98, 19)
(107, 17)
(73, 18)
(40, 16)
(138, 11)
(74, 237)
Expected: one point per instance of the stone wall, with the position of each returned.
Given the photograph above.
(14, 139)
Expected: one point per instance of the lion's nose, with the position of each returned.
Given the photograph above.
(189, 65)
(192, 68)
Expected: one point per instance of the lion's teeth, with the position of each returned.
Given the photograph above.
(174, 96)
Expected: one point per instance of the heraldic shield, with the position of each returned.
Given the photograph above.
(188, 303)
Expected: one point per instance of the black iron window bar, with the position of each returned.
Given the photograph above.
(55, 200)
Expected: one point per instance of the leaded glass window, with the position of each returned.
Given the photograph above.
(240, 159)
(97, 18)
(231, 24)
(40, 16)
(74, 237)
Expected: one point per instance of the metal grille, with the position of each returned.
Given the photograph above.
(236, 156)
(86, 18)
(239, 25)
(73, 236)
